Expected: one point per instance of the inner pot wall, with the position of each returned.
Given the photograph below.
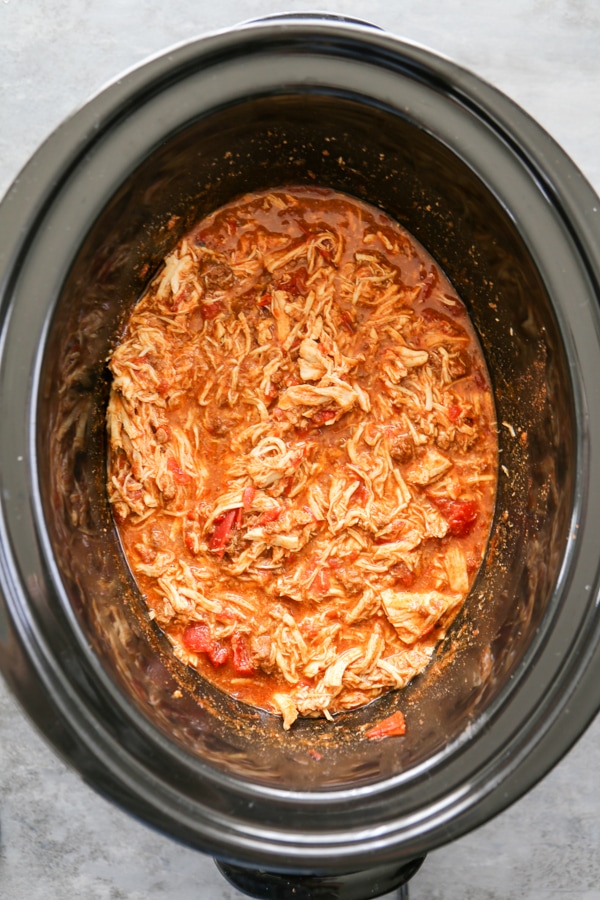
(340, 143)
(431, 145)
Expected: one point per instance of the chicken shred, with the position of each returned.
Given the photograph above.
(302, 451)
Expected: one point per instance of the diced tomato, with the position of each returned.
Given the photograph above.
(393, 726)
(316, 421)
(198, 513)
(454, 412)
(198, 638)
(226, 615)
(270, 515)
(218, 654)
(361, 494)
(321, 583)
(315, 754)
(248, 495)
(179, 475)
(338, 562)
(239, 514)
(223, 528)
(265, 300)
(163, 386)
(460, 514)
(322, 416)
(212, 310)
(190, 542)
(242, 663)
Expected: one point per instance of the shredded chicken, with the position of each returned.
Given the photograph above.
(302, 452)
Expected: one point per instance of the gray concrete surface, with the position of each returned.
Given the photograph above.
(58, 839)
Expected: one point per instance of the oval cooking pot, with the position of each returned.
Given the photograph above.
(514, 225)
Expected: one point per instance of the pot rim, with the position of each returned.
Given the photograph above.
(23, 212)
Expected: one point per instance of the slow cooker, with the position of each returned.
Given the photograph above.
(302, 100)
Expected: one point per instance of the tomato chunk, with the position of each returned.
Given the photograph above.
(393, 726)
(321, 584)
(179, 475)
(361, 494)
(323, 416)
(270, 515)
(218, 654)
(339, 562)
(198, 638)
(212, 310)
(461, 515)
(242, 663)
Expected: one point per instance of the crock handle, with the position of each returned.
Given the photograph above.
(365, 885)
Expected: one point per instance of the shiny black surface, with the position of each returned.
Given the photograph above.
(365, 885)
(510, 219)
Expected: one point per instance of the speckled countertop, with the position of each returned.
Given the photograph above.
(60, 840)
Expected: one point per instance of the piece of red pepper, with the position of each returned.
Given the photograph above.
(223, 528)
(393, 726)
(248, 496)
